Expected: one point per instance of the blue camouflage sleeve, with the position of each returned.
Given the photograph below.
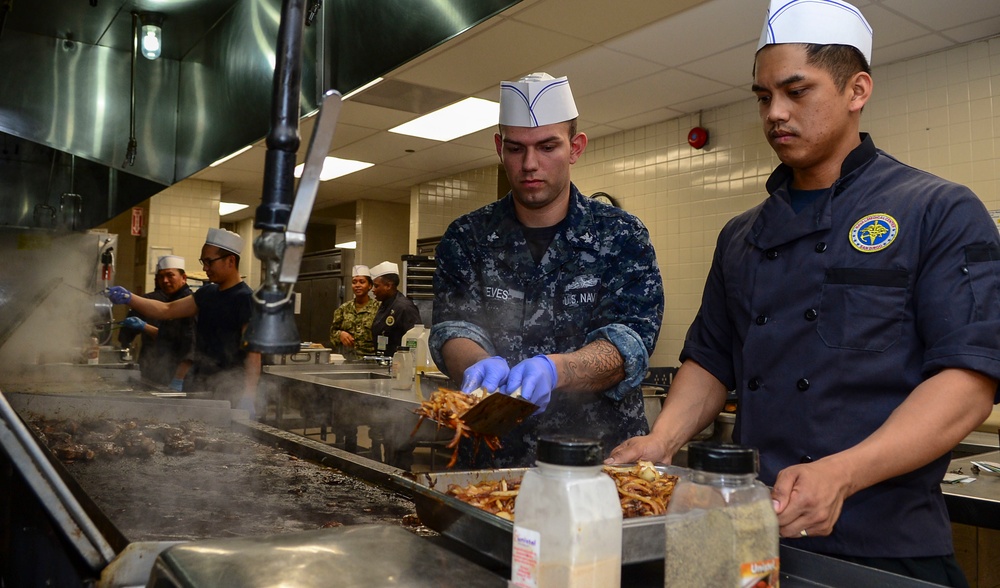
(457, 294)
(634, 309)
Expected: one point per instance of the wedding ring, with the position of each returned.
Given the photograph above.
(803, 533)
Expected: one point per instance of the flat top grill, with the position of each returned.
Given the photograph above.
(255, 491)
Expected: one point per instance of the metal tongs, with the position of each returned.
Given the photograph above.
(498, 414)
(990, 467)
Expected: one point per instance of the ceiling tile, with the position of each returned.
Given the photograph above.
(618, 68)
(442, 156)
(650, 93)
(890, 29)
(599, 20)
(712, 27)
(733, 67)
(647, 118)
(372, 117)
(383, 147)
(938, 15)
(505, 51)
(974, 31)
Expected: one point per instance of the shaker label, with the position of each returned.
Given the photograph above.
(524, 558)
(760, 574)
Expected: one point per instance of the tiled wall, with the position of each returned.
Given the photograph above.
(433, 205)
(381, 231)
(939, 112)
(179, 219)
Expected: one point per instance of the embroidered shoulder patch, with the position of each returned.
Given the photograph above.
(874, 232)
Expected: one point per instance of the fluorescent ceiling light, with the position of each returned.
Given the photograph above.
(347, 245)
(357, 91)
(334, 167)
(230, 156)
(461, 118)
(230, 207)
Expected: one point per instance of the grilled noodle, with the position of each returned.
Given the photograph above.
(642, 490)
(446, 407)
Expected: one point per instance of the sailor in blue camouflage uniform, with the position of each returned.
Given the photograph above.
(856, 313)
(547, 290)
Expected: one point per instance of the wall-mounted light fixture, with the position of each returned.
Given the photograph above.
(151, 34)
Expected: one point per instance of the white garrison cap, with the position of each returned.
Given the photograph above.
(536, 100)
(820, 22)
(386, 267)
(170, 262)
(224, 239)
(361, 270)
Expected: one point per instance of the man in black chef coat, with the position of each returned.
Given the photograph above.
(855, 313)
(397, 313)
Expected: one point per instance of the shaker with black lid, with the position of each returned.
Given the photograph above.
(568, 520)
(721, 527)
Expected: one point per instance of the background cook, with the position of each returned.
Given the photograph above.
(562, 287)
(167, 346)
(855, 312)
(351, 328)
(396, 313)
(221, 364)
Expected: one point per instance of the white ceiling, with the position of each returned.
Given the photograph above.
(630, 63)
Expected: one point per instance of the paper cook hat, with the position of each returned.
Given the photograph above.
(536, 100)
(386, 267)
(820, 22)
(170, 262)
(361, 270)
(224, 239)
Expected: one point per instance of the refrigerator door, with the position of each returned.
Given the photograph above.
(319, 298)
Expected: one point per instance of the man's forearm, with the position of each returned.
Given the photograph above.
(148, 307)
(694, 400)
(459, 354)
(251, 374)
(182, 369)
(934, 418)
(595, 367)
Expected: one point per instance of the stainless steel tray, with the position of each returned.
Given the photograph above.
(643, 538)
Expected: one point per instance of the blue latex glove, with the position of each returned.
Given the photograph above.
(118, 295)
(490, 373)
(536, 377)
(247, 403)
(134, 323)
(177, 384)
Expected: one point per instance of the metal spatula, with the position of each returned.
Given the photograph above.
(498, 414)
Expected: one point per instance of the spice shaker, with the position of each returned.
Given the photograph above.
(721, 527)
(402, 369)
(568, 520)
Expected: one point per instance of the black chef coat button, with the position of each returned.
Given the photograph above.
(965, 270)
(802, 384)
(811, 314)
(753, 384)
(761, 320)
(771, 254)
(806, 459)
(820, 247)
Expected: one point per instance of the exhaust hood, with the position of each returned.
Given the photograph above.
(65, 77)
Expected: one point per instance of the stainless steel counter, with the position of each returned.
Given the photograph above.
(340, 398)
(976, 503)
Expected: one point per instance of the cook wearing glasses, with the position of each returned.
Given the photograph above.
(221, 365)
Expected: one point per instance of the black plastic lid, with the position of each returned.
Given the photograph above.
(570, 451)
(723, 458)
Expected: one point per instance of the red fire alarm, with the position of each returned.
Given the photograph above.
(697, 137)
